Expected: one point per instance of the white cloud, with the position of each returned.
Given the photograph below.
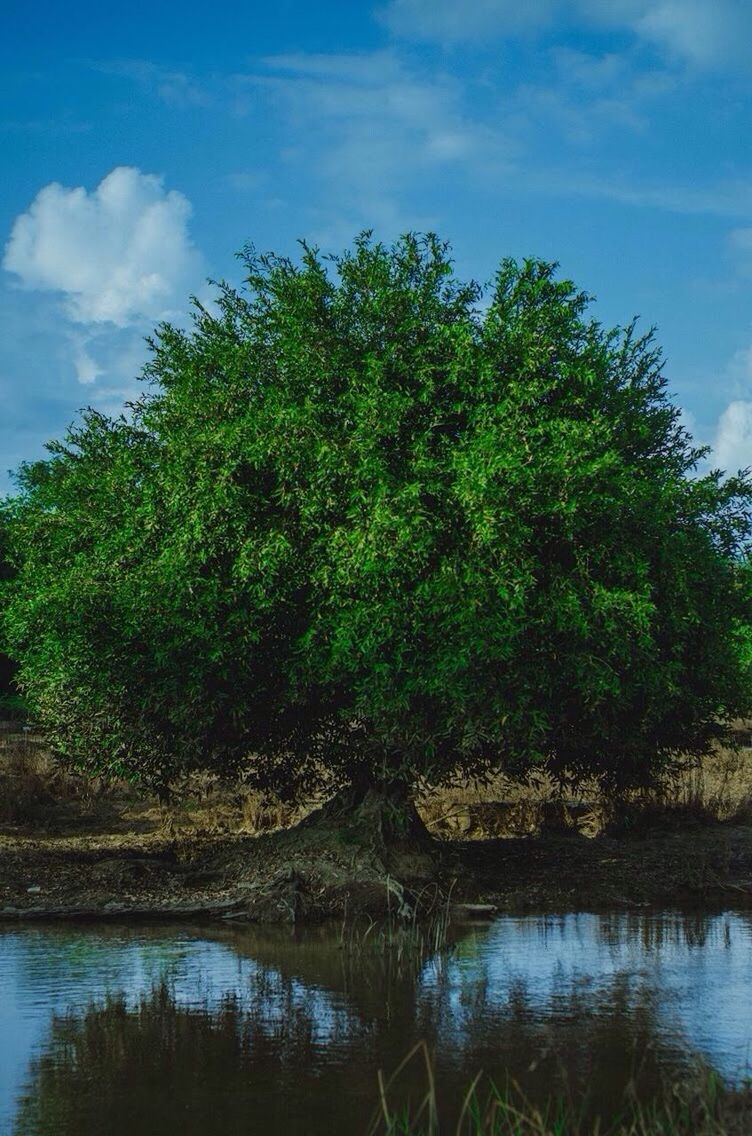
(738, 376)
(449, 21)
(175, 88)
(87, 369)
(732, 447)
(368, 132)
(741, 245)
(246, 181)
(371, 128)
(719, 199)
(118, 254)
(704, 33)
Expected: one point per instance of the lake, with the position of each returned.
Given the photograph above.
(197, 1030)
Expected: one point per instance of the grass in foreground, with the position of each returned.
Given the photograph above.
(702, 1106)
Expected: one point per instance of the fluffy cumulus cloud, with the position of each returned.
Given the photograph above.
(119, 254)
(732, 449)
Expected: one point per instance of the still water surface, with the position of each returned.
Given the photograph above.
(188, 1031)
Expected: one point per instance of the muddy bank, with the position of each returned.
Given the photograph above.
(304, 874)
(75, 848)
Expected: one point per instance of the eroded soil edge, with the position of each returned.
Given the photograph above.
(311, 873)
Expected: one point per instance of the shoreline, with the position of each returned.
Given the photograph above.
(293, 876)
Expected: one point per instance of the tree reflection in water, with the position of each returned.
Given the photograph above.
(287, 1059)
(160, 1068)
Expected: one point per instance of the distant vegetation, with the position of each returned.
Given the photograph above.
(370, 525)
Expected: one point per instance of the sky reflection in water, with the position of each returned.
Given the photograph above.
(290, 1031)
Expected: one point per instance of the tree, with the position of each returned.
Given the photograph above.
(363, 529)
(10, 703)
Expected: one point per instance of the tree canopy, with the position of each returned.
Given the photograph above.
(367, 519)
(10, 703)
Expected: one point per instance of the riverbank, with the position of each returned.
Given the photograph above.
(296, 876)
(70, 848)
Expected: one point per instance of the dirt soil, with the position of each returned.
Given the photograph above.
(312, 872)
(73, 849)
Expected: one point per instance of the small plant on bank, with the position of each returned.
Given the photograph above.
(416, 928)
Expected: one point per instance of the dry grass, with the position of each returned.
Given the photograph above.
(33, 785)
(718, 788)
(38, 791)
(721, 785)
(204, 803)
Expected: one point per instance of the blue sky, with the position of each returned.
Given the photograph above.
(142, 145)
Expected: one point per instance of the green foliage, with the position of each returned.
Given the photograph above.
(362, 523)
(11, 704)
(13, 707)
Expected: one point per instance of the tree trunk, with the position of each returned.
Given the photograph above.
(380, 817)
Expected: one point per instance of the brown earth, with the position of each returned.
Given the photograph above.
(73, 849)
(298, 876)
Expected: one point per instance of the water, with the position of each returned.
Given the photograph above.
(200, 1030)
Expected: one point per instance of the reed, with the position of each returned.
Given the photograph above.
(416, 928)
(701, 1105)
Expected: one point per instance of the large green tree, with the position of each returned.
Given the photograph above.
(368, 523)
(10, 703)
